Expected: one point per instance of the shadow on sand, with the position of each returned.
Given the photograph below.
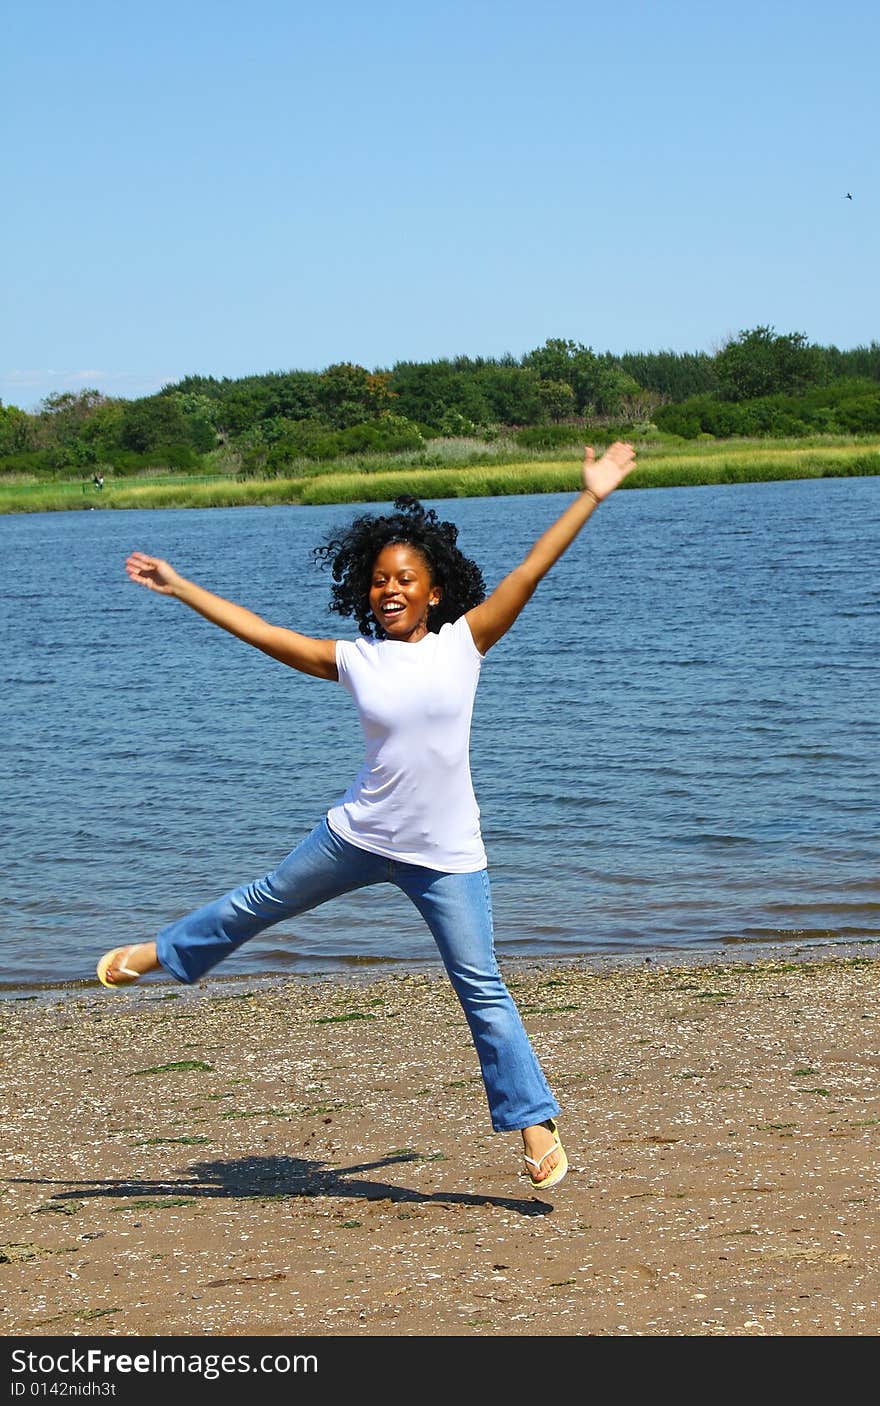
(265, 1178)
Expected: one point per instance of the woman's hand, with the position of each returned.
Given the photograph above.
(601, 476)
(153, 573)
(495, 615)
(301, 652)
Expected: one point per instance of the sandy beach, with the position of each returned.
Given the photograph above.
(294, 1157)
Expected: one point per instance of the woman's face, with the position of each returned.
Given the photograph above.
(401, 591)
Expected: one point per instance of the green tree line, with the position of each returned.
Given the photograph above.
(759, 383)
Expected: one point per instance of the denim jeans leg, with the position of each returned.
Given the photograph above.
(458, 910)
(323, 866)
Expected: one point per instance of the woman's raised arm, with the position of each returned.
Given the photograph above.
(309, 656)
(495, 615)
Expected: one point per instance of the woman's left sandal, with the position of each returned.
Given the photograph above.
(553, 1177)
(128, 974)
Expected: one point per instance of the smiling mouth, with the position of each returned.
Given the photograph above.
(391, 610)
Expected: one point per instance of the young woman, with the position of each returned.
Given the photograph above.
(410, 817)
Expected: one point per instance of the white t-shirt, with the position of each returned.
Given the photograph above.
(413, 798)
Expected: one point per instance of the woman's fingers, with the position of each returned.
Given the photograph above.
(621, 453)
(149, 571)
(143, 562)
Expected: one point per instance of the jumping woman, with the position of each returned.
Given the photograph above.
(410, 817)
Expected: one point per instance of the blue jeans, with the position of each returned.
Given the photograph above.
(458, 911)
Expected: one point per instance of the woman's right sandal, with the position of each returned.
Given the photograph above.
(558, 1172)
(128, 973)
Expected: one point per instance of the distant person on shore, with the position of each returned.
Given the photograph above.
(98, 481)
(410, 817)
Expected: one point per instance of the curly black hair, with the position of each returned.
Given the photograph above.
(352, 554)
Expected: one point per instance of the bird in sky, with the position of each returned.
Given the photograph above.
(848, 196)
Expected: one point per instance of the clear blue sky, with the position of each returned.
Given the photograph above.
(230, 188)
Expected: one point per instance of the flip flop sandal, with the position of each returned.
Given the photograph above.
(128, 973)
(554, 1177)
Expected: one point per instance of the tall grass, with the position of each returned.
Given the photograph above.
(674, 472)
(659, 466)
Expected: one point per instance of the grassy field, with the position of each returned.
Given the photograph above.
(660, 465)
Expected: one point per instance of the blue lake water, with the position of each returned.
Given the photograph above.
(675, 749)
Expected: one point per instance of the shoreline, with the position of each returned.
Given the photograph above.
(359, 971)
(282, 1156)
(724, 463)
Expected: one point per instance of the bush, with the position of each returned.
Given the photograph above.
(849, 407)
(180, 457)
(684, 420)
(276, 446)
(860, 415)
(550, 436)
(36, 462)
(391, 434)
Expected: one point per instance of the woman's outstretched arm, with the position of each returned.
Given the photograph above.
(495, 615)
(310, 656)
